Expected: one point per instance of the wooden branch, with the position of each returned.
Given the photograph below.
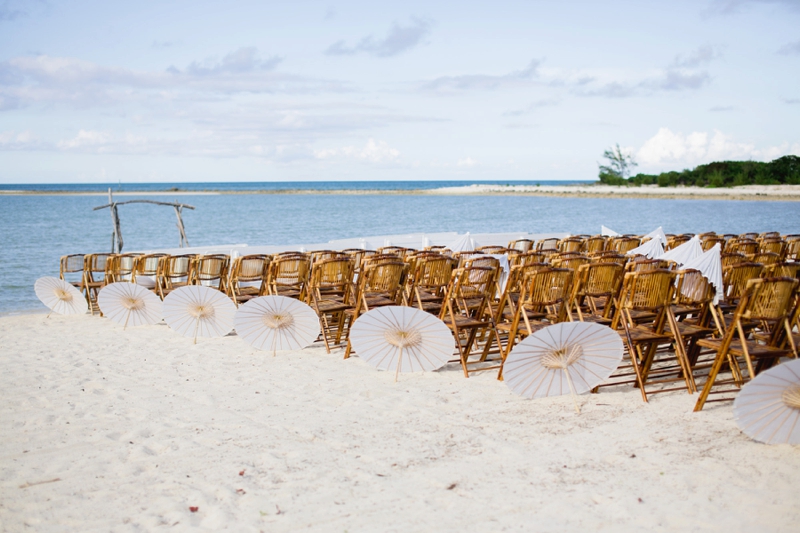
(173, 204)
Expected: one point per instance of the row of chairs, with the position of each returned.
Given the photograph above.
(666, 318)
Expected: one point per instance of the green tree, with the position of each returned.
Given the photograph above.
(618, 168)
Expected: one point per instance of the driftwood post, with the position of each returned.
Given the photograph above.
(117, 234)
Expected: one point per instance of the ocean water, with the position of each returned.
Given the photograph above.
(244, 186)
(36, 230)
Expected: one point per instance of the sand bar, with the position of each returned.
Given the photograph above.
(747, 192)
(106, 429)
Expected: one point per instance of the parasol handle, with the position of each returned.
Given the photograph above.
(399, 361)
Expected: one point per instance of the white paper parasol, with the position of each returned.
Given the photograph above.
(277, 323)
(608, 232)
(710, 265)
(687, 251)
(570, 357)
(402, 338)
(197, 311)
(129, 304)
(652, 249)
(767, 409)
(61, 297)
(463, 243)
(659, 234)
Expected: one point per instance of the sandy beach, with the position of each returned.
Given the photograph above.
(112, 430)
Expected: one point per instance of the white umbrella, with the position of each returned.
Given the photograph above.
(658, 233)
(197, 311)
(767, 409)
(710, 265)
(608, 232)
(687, 251)
(652, 249)
(276, 323)
(403, 338)
(570, 357)
(129, 304)
(463, 243)
(60, 296)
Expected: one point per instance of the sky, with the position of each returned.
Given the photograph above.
(186, 91)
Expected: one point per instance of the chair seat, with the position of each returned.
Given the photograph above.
(755, 350)
(641, 334)
(466, 322)
(597, 319)
(690, 330)
(331, 305)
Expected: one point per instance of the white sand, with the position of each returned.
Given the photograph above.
(749, 192)
(139, 425)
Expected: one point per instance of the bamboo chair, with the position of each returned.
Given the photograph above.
(641, 264)
(95, 267)
(544, 301)
(329, 294)
(146, 270)
(770, 235)
(288, 276)
(428, 283)
(526, 258)
(750, 235)
(708, 242)
(595, 243)
(518, 277)
(774, 245)
(523, 245)
(467, 311)
(742, 245)
(120, 267)
(357, 255)
(765, 258)
(399, 251)
(650, 293)
(322, 255)
(595, 288)
(694, 311)
(248, 277)
(624, 245)
(573, 262)
(378, 259)
(764, 300)
(493, 249)
(571, 244)
(176, 272)
(792, 250)
(731, 259)
(734, 281)
(609, 256)
(211, 271)
(549, 246)
(381, 284)
(676, 240)
(783, 269)
(71, 270)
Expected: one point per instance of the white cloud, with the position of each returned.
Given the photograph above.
(373, 151)
(85, 138)
(466, 162)
(679, 150)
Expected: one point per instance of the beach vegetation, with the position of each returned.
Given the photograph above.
(784, 170)
(618, 167)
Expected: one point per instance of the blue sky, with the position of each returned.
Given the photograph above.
(95, 91)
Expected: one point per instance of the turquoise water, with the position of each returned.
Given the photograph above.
(36, 230)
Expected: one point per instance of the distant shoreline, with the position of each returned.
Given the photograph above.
(747, 192)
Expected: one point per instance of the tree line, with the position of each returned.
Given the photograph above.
(784, 170)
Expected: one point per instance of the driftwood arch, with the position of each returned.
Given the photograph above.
(116, 236)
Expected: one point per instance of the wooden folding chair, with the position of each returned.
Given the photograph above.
(595, 243)
(211, 271)
(649, 294)
(95, 277)
(428, 283)
(764, 300)
(595, 288)
(523, 245)
(146, 269)
(380, 284)
(329, 289)
(248, 277)
(176, 272)
(288, 276)
(468, 312)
